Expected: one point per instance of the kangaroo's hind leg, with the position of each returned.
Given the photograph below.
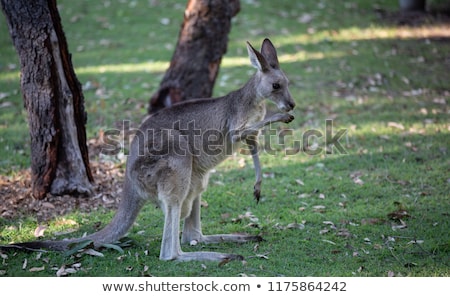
(173, 192)
(192, 230)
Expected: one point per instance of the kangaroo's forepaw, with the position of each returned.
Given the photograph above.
(288, 118)
(257, 193)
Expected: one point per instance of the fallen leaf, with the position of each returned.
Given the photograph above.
(398, 215)
(304, 195)
(300, 182)
(305, 18)
(224, 261)
(372, 221)
(93, 252)
(39, 231)
(343, 233)
(355, 176)
(410, 265)
(358, 181)
(3, 95)
(24, 265)
(416, 241)
(319, 208)
(36, 269)
(324, 231)
(329, 241)
(61, 271)
(71, 270)
(241, 162)
(48, 205)
(295, 226)
(396, 125)
(3, 256)
(396, 227)
(165, 21)
(253, 225)
(268, 175)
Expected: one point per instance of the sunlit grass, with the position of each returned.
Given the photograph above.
(371, 33)
(124, 68)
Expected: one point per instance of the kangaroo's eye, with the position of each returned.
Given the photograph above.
(276, 86)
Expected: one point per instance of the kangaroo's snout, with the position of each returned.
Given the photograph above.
(287, 105)
(290, 105)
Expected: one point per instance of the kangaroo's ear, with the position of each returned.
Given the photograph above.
(270, 53)
(257, 59)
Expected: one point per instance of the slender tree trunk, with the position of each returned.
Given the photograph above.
(53, 98)
(201, 44)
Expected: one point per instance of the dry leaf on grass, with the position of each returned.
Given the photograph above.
(295, 226)
(39, 231)
(93, 252)
(36, 269)
(398, 215)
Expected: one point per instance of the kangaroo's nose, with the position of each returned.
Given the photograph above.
(291, 104)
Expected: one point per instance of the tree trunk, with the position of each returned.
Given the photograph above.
(201, 44)
(53, 98)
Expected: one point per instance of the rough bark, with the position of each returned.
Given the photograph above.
(53, 98)
(201, 44)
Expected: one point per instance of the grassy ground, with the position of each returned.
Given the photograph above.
(381, 208)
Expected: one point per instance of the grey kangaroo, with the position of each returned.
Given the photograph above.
(170, 160)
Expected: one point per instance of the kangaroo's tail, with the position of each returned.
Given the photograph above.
(128, 209)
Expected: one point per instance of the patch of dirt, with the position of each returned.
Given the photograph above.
(16, 200)
(412, 18)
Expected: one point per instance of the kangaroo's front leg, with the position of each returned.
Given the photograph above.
(253, 146)
(249, 135)
(251, 130)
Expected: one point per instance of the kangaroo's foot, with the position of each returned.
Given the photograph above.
(205, 256)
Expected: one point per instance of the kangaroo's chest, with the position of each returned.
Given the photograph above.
(258, 113)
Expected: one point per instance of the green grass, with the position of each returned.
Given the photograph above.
(321, 215)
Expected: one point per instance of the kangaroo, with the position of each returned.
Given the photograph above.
(172, 153)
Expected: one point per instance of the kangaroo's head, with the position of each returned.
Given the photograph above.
(271, 82)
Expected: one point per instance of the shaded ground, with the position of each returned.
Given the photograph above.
(412, 18)
(16, 199)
